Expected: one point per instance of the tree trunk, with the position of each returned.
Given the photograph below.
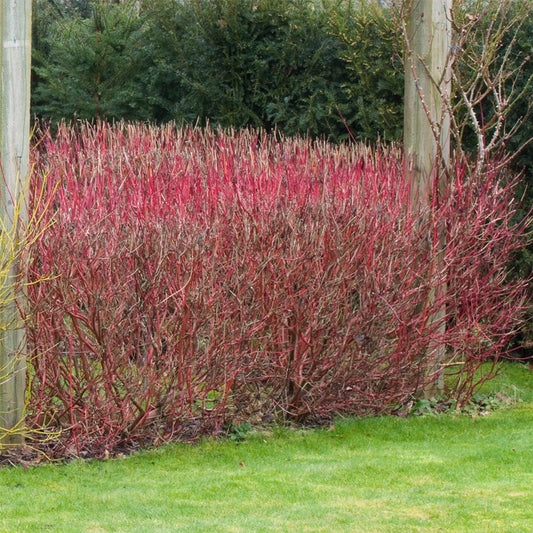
(15, 32)
(427, 128)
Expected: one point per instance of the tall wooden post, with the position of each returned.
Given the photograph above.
(427, 124)
(15, 61)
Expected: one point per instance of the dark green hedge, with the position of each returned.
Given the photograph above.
(286, 64)
(323, 68)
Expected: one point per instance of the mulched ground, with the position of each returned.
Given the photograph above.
(25, 457)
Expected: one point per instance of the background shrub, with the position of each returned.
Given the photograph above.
(299, 67)
(90, 67)
(198, 279)
(318, 68)
(372, 103)
(244, 63)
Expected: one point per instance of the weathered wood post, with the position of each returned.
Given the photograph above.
(426, 119)
(426, 122)
(15, 61)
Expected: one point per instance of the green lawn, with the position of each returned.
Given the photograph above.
(433, 473)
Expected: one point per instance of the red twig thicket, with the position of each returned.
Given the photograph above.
(194, 279)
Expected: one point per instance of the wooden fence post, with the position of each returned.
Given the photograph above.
(427, 125)
(15, 62)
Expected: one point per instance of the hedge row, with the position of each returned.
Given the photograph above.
(296, 66)
(197, 279)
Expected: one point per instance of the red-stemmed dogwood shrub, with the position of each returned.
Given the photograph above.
(197, 279)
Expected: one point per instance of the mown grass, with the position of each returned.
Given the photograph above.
(432, 473)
